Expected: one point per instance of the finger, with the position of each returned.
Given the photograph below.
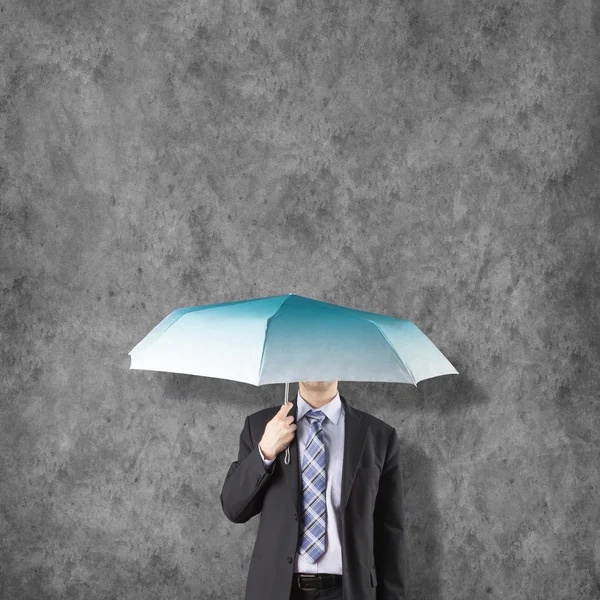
(285, 408)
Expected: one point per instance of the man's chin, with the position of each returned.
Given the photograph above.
(318, 385)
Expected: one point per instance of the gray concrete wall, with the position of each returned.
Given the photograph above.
(434, 160)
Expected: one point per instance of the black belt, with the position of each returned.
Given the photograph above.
(317, 581)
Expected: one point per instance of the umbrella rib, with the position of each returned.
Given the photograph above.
(262, 356)
(179, 313)
(394, 351)
(385, 337)
(150, 341)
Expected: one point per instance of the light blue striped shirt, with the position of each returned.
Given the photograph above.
(333, 432)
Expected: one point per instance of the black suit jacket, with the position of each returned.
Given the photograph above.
(374, 559)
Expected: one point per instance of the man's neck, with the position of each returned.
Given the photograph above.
(318, 399)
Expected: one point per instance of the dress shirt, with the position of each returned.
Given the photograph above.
(333, 432)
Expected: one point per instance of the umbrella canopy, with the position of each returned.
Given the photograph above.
(289, 338)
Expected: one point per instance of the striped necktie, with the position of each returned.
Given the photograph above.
(313, 520)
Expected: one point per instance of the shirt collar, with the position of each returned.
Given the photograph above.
(331, 410)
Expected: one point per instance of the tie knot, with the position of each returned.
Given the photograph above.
(315, 416)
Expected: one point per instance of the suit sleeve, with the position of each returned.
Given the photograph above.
(246, 481)
(266, 461)
(390, 553)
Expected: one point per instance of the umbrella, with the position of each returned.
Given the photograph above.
(288, 338)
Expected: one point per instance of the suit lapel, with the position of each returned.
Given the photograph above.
(291, 472)
(355, 434)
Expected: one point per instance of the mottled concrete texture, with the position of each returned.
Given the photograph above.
(434, 160)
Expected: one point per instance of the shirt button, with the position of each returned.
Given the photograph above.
(289, 559)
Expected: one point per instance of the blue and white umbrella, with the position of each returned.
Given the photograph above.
(289, 338)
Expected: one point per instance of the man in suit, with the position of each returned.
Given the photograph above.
(332, 521)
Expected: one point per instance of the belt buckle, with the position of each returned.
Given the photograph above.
(309, 577)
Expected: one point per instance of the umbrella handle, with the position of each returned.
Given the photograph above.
(286, 459)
